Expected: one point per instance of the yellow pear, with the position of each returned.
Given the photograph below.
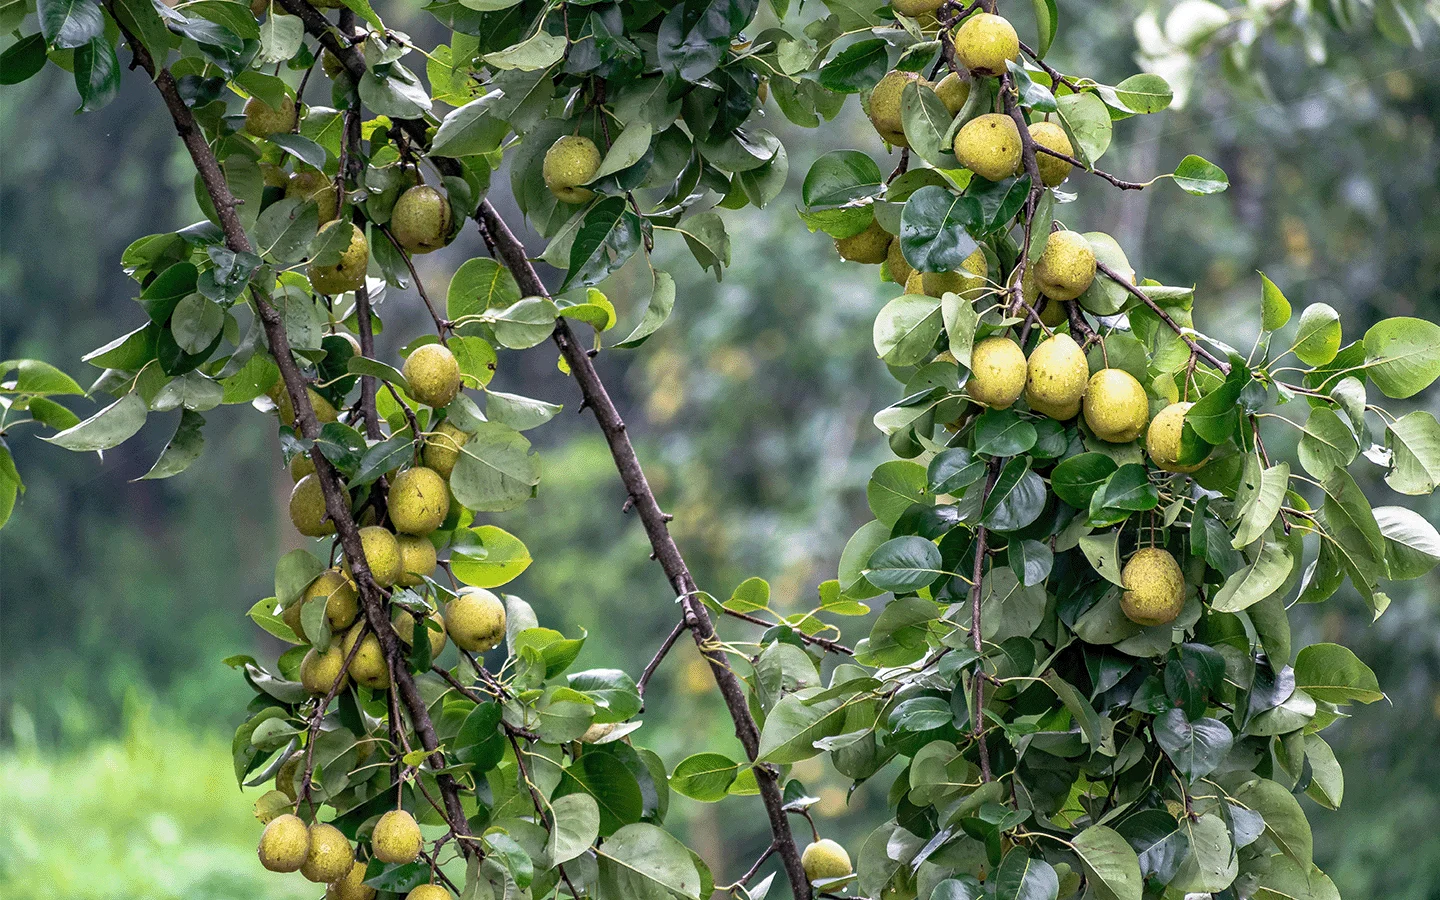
(885, 106)
(1055, 377)
(1066, 268)
(953, 91)
(989, 146)
(915, 284)
(341, 597)
(368, 665)
(984, 43)
(1154, 587)
(997, 372)
(319, 671)
(307, 508)
(349, 273)
(570, 162)
(396, 838)
(1052, 312)
(825, 859)
(1162, 439)
(475, 620)
(301, 465)
(419, 500)
(870, 246)
(382, 554)
(417, 559)
(1048, 134)
(311, 184)
(442, 448)
(896, 264)
(914, 8)
(433, 374)
(970, 277)
(404, 625)
(331, 856)
(1116, 407)
(352, 886)
(273, 175)
(421, 219)
(285, 844)
(324, 410)
(263, 120)
(428, 892)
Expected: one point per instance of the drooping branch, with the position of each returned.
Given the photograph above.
(1164, 317)
(1120, 183)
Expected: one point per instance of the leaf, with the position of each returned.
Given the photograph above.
(1334, 674)
(470, 130)
(1129, 488)
(1001, 432)
(524, 324)
(1046, 20)
(1318, 339)
(69, 23)
(933, 229)
(1285, 821)
(904, 564)
(1149, 93)
(540, 51)
(893, 487)
(925, 120)
(1328, 788)
(657, 310)
(1327, 444)
(1196, 748)
(1109, 861)
(1198, 176)
(1081, 711)
(1402, 356)
(705, 777)
(608, 236)
(953, 470)
(1254, 582)
(1017, 499)
(839, 177)
(1264, 507)
(1022, 877)
(1103, 552)
(285, 229)
(1087, 122)
(906, 329)
(22, 59)
(1031, 561)
(1412, 545)
(488, 556)
(1414, 444)
(33, 376)
(108, 428)
(397, 93)
(629, 147)
(1287, 880)
(1274, 308)
(577, 825)
(480, 284)
(1076, 479)
(1212, 865)
(856, 68)
(183, 449)
(1215, 416)
(643, 862)
(97, 73)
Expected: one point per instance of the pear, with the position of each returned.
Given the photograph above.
(368, 665)
(914, 8)
(475, 620)
(970, 277)
(984, 43)
(352, 886)
(1162, 439)
(896, 264)
(331, 856)
(997, 372)
(319, 671)
(396, 838)
(433, 374)
(417, 559)
(1067, 267)
(989, 146)
(338, 592)
(349, 273)
(1052, 312)
(311, 184)
(1154, 587)
(420, 221)
(263, 120)
(382, 554)
(953, 91)
(915, 284)
(870, 246)
(1048, 134)
(428, 892)
(324, 410)
(307, 508)
(301, 465)
(825, 859)
(570, 162)
(404, 626)
(885, 106)
(1055, 377)
(419, 500)
(442, 448)
(273, 176)
(1116, 407)
(285, 844)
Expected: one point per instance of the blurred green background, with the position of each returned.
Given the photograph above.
(751, 410)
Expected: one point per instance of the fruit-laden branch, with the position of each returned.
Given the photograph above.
(977, 723)
(337, 504)
(1120, 183)
(1164, 316)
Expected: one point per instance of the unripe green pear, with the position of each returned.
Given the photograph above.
(1154, 587)
(914, 8)
(352, 886)
(331, 65)
(442, 448)
(319, 671)
(273, 175)
(570, 162)
(396, 838)
(970, 277)
(870, 246)
(1067, 267)
(433, 374)
(825, 859)
(263, 120)
(382, 554)
(285, 775)
(285, 844)
(419, 500)
(953, 91)
(307, 508)
(331, 856)
(338, 592)
(989, 146)
(324, 410)
(428, 892)
(349, 273)
(984, 43)
(1052, 312)
(311, 184)
(367, 666)
(896, 264)
(997, 372)
(420, 221)
(1055, 378)
(417, 559)
(475, 620)
(301, 465)
(1162, 439)
(1048, 134)
(885, 106)
(404, 625)
(1116, 407)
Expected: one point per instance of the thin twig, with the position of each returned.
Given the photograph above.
(1118, 182)
(1195, 348)
(655, 661)
(825, 643)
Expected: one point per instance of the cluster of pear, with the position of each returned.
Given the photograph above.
(323, 854)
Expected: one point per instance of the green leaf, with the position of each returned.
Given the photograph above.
(893, 487)
(1402, 356)
(906, 329)
(1109, 862)
(1103, 552)
(1216, 415)
(629, 147)
(904, 564)
(1076, 479)
(839, 177)
(1016, 500)
(1211, 865)
(1023, 877)
(10, 484)
(1087, 122)
(1328, 786)
(97, 73)
(525, 324)
(793, 726)
(657, 310)
(1263, 576)
(925, 120)
(478, 285)
(1047, 18)
(183, 449)
(108, 428)
(1318, 339)
(611, 690)
(1412, 545)
(285, 229)
(470, 130)
(643, 862)
(934, 225)
(608, 236)
(1274, 308)
(488, 557)
(22, 59)
(33, 376)
(1081, 711)
(397, 93)
(751, 595)
(1414, 444)
(1001, 432)
(1334, 674)
(293, 574)
(856, 68)
(1264, 505)
(69, 23)
(1196, 748)
(1198, 176)
(577, 825)
(1285, 879)
(540, 51)
(1327, 444)
(705, 777)
(1347, 513)
(1285, 821)
(1129, 488)
(953, 470)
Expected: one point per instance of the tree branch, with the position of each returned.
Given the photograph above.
(977, 724)
(1164, 317)
(1118, 182)
(655, 661)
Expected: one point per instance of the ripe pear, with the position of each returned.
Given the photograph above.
(953, 91)
(382, 554)
(285, 775)
(368, 665)
(352, 886)
(324, 410)
(319, 671)
(396, 838)
(984, 43)
(442, 448)
(1066, 268)
(301, 465)
(915, 284)
(419, 500)
(421, 219)
(570, 162)
(428, 892)
(1052, 312)
(307, 508)
(311, 184)
(349, 273)
(825, 859)
(970, 277)
(997, 372)
(263, 120)
(989, 146)
(273, 176)
(331, 856)
(284, 844)
(1116, 407)
(475, 620)
(885, 106)
(914, 8)
(1055, 378)
(896, 264)
(1048, 134)
(404, 626)
(870, 246)
(1154, 587)
(1162, 439)
(417, 559)
(341, 597)
(433, 374)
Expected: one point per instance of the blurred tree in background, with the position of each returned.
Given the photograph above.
(749, 410)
